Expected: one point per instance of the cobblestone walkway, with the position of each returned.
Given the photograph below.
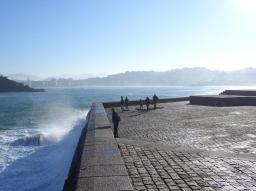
(187, 147)
(160, 169)
(231, 129)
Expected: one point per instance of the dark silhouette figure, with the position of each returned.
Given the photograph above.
(147, 101)
(122, 103)
(155, 100)
(115, 119)
(126, 103)
(141, 104)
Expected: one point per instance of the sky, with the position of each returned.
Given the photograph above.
(55, 37)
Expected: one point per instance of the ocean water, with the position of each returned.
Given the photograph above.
(39, 131)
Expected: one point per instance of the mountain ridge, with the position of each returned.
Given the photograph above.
(176, 77)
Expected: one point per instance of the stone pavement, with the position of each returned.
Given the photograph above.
(159, 168)
(230, 129)
(187, 147)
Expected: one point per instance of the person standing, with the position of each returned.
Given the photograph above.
(141, 104)
(155, 100)
(115, 120)
(126, 103)
(122, 103)
(147, 101)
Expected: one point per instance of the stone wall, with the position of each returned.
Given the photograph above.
(239, 92)
(223, 100)
(101, 166)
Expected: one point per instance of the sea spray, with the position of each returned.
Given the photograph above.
(51, 148)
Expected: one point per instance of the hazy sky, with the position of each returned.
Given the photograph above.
(52, 37)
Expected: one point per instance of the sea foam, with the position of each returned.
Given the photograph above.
(40, 160)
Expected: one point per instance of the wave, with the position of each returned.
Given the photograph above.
(54, 146)
(34, 140)
(47, 134)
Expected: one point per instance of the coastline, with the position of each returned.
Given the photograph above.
(97, 121)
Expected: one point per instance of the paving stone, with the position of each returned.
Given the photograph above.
(203, 148)
(195, 173)
(113, 183)
(212, 128)
(103, 170)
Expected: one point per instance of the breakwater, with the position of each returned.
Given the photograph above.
(71, 181)
(239, 92)
(97, 163)
(226, 98)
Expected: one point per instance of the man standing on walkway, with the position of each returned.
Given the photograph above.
(115, 120)
(122, 103)
(147, 101)
(155, 100)
(141, 104)
(126, 103)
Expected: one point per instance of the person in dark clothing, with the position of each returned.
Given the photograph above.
(115, 119)
(147, 101)
(126, 103)
(122, 103)
(141, 104)
(155, 100)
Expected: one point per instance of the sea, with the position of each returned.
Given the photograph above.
(39, 131)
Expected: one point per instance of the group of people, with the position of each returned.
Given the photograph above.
(125, 102)
(147, 101)
(124, 105)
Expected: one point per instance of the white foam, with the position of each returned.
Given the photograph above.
(43, 167)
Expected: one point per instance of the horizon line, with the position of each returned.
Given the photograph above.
(99, 75)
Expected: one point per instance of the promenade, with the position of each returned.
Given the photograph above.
(187, 147)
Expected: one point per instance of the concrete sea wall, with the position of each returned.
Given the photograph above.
(97, 163)
(223, 100)
(239, 92)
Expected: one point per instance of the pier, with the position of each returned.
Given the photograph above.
(226, 98)
(100, 166)
(178, 146)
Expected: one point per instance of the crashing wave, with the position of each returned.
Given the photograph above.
(34, 140)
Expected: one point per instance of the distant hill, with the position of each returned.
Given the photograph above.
(180, 77)
(176, 77)
(7, 85)
(22, 77)
(19, 77)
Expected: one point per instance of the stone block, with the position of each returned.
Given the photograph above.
(113, 183)
(103, 170)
